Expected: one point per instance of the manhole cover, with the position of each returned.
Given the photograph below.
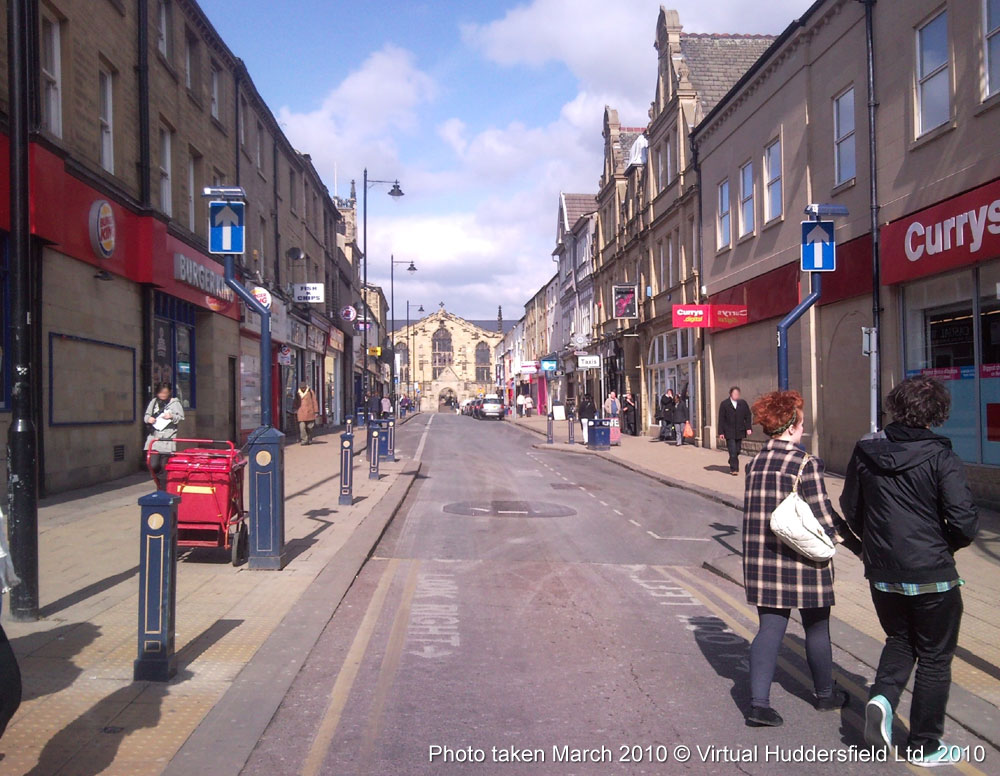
(508, 509)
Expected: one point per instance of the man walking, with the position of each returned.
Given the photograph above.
(612, 407)
(735, 425)
(680, 418)
(907, 497)
(306, 409)
(520, 405)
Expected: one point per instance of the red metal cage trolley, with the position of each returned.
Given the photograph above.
(209, 482)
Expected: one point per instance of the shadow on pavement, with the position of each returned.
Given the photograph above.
(42, 674)
(89, 591)
(295, 547)
(714, 467)
(723, 532)
(91, 742)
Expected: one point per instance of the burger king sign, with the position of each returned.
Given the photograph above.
(102, 229)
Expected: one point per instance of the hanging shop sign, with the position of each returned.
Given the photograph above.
(316, 339)
(284, 356)
(262, 295)
(728, 316)
(709, 316)
(348, 313)
(336, 340)
(549, 364)
(102, 228)
(529, 367)
(309, 293)
(588, 362)
(625, 302)
(298, 332)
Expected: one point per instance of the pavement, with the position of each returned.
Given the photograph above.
(81, 712)
(976, 669)
(528, 612)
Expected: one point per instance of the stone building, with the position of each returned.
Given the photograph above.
(446, 358)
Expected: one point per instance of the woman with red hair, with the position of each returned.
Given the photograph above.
(777, 578)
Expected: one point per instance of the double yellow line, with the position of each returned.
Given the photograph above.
(710, 595)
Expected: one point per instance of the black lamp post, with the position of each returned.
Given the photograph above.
(409, 344)
(394, 191)
(392, 307)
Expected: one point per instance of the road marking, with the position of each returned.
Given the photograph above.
(434, 625)
(348, 673)
(510, 512)
(654, 535)
(635, 523)
(590, 494)
(604, 504)
(685, 538)
(390, 661)
(619, 513)
(423, 438)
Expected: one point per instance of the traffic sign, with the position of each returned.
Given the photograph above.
(819, 249)
(225, 227)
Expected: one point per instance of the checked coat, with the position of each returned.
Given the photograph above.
(774, 574)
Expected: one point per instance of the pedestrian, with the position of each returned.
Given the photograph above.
(529, 405)
(386, 407)
(10, 673)
(306, 408)
(776, 577)
(681, 418)
(520, 405)
(164, 415)
(665, 415)
(612, 407)
(587, 412)
(374, 406)
(735, 425)
(907, 497)
(629, 414)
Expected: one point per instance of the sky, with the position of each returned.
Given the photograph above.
(484, 111)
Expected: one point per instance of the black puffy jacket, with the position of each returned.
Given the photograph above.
(906, 496)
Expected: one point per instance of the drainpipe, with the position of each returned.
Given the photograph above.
(277, 233)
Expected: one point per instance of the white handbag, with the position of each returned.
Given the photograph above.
(795, 524)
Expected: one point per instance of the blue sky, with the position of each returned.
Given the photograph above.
(485, 111)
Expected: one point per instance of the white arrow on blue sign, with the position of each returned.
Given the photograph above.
(225, 227)
(819, 249)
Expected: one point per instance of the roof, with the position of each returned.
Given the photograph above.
(717, 61)
(489, 326)
(577, 206)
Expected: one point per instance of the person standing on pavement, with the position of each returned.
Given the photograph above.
(164, 414)
(10, 673)
(777, 578)
(520, 405)
(306, 408)
(612, 407)
(374, 407)
(587, 412)
(629, 414)
(735, 425)
(681, 418)
(665, 414)
(529, 405)
(386, 407)
(907, 497)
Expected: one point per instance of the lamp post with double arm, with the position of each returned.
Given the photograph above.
(392, 307)
(396, 192)
(409, 346)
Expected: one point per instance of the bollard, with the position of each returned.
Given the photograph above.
(267, 499)
(347, 468)
(572, 432)
(548, 430)
(392, 439)
(157, 588)
(373, 456)
(350, 426)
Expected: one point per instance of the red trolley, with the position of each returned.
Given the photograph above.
(209, 480)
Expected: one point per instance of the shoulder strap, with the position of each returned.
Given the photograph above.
(802, 468)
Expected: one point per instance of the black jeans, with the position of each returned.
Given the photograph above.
(735, 447)
(767, 642)
(157, 464)
(10, 682)
(921, 629)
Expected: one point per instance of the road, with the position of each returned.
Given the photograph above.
(533, 612)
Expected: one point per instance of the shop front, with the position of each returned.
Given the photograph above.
(250, 366)
(671, 364)
(335, 381)
(314, 368)
(945, 262)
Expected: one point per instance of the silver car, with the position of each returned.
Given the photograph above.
(491, 407)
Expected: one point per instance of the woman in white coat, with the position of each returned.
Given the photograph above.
(164, 414)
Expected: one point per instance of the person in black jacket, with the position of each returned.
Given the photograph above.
(735, 425)
(586, 413)
(907, 498)
(681, 417)
(665, 414)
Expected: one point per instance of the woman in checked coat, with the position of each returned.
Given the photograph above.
(776, 577)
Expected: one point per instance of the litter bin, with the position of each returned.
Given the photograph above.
(599, 434)
(382, 426)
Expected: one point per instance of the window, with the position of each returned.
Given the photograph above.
(725, 233)
(668, 150)
(261, 243)
(243, 122)
(192, 64)
(163, 27)
(218, 179)
(671, 267)
(216, 91)
(661, 267)
(166, 194)
(933, 87)
(173, 346)
(992, 27)
(105, 87)
(404, 362)
(194, 175)
(441, 352)
(772, 175)
(670, 366)
(746, 199)
(843, 137)
(51, 61)
(483, 363)
(260, 146)
(293, 190)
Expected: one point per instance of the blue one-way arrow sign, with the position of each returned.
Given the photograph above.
(225, 227)
(819, 250)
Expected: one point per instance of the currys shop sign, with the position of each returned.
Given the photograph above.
(954, 233)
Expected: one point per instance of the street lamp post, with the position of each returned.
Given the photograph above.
(395, 191)
(409, 345)
(392, 306)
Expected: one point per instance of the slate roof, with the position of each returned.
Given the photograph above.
(577, 206)
(717, 61)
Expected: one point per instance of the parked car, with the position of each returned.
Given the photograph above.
(476, 408)
(491, 407)
(466, 406)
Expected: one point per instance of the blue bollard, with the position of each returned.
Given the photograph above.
(267, 499)
(549, 438)
(391, 425)
(157, 588)
(347, 469)
(572, 432)
(350, 425)
(373, 454)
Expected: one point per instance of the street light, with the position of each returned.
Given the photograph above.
(392, 306)
(409, 345)
(395, 192)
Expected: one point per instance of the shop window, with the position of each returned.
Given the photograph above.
(933, 78)
(989, 369)
(843, 137)
(4, 327)
(173, 347)
(669, 366)
(51, 66)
